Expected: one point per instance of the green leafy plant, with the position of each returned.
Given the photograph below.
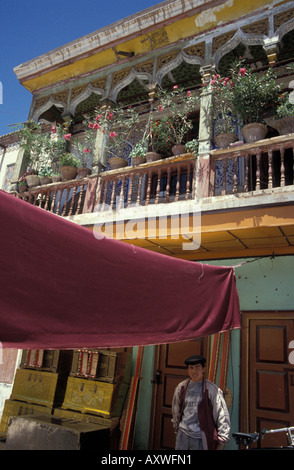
(118, 124)
(254, 96)
(160, 136)
(140, 149)
(32, 141)
(223, 109)
(68, 159)
(177, 106)
(56, 143)
(285, 108)
(46, 171)
(41, 145)
(192, 146)
(85, 147)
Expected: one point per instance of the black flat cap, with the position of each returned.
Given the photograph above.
(192, 360)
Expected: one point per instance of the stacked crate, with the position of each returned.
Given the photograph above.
(39, 384)
(97, 385)
(85, 385)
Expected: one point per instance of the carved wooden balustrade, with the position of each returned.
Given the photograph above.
(252, 167)
(266, 164)
(167, 180)
(64, 199)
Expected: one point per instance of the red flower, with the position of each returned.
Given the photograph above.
(53, 129)
(86, 150)
(242, 71)
(67, 136)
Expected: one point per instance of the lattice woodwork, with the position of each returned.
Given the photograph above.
(196, 50)
(282, 18)
(259, 27)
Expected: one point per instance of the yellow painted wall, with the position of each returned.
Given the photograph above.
(163, 36)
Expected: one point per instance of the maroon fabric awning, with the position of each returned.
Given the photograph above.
(63, 288)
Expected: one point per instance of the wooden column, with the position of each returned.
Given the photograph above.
(205, 136)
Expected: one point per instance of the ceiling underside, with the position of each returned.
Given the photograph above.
(238, 234)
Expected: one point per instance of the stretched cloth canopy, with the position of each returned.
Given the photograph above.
(63, 288)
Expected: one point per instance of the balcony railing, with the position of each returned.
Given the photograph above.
(64, 199)
(168, 180)
(252, 167)
(246, 168)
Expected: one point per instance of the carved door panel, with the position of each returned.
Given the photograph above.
(169, 371)
(268, 375)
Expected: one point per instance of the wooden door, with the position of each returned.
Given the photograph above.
(267, 375)
(169, 371)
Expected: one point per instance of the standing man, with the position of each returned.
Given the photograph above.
(188, 410)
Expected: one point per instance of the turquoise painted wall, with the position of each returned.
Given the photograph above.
(263, 284)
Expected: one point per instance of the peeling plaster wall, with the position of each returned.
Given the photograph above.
(142, 33)
(228, 11)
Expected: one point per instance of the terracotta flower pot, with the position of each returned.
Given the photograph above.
(285, 125)
(117, 162)
(225, 139)
(136, 161)
(56, 178)
(68, 173)
(254, 132)
(83, 172)
(45, 180)
(152, 157)
(22, 188)
(178, 149)
(32, 180)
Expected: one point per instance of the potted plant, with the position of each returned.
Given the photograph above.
(177, 106)
(255, 97)
(45, 175)
(56, 177)
(31, 140)
(22, 184)
(68, 166)
(118, 124)
(32, 179)
(160, 139)
(192, 146)
(41, 146)
(85, 148)
(57, 142)
(138, 153)
(284, 119)
(83, 170)
(223, 111)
